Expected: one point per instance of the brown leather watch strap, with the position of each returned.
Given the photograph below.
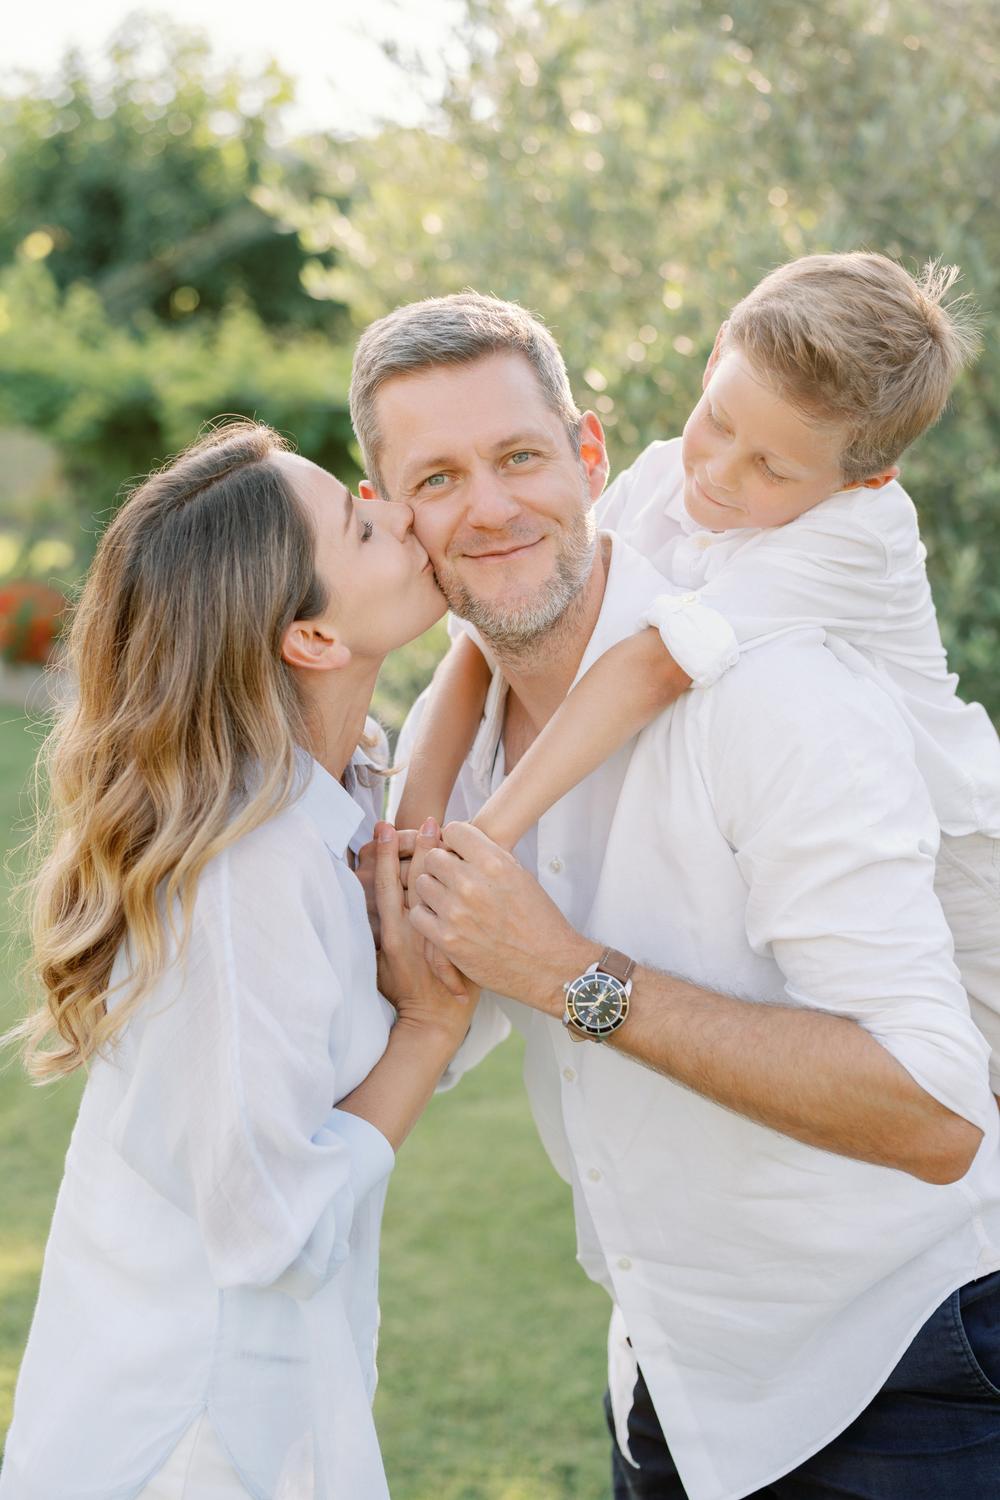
(617, 964)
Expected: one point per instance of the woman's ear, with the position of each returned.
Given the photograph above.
(313, 646)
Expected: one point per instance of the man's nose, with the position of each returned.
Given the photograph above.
(489, 505)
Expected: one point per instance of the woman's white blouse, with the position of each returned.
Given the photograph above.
(215, 1240)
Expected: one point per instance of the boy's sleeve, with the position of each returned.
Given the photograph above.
(829, 570)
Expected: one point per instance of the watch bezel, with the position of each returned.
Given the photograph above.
(577, 1023)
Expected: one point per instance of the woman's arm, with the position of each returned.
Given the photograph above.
(432, 1020)
(446, 733)
(621, 693)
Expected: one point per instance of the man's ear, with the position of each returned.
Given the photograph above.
(715, 356)
(312, 645)
(593, 453)
(367, 490)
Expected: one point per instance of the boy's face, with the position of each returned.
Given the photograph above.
(749, 458)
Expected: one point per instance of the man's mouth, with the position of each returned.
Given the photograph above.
(503, 554)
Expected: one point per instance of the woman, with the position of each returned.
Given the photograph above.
(207, 1314)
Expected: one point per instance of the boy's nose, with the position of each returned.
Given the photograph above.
(722, 472)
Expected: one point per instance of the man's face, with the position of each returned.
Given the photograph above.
(501, 499)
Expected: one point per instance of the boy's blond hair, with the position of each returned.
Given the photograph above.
(855, 340)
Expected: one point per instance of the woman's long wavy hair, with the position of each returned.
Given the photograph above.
(183, 729)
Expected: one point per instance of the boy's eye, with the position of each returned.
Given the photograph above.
(367, 527)
(769, 472)
(713, 419)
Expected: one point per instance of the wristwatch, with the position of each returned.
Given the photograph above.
(597, 1000)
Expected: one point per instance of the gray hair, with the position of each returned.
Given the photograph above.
(455, 330)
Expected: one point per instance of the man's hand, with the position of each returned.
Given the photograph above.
(493, 920)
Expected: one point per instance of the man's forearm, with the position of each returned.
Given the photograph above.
(819, 1078)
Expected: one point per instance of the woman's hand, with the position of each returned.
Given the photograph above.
(406, 978)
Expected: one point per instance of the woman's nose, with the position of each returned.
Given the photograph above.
(396, 515)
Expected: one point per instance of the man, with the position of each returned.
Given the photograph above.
(783, 1161)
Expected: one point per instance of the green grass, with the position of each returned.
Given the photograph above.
(492, 1348)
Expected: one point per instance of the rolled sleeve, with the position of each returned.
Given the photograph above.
(817, 792)
(699, 638)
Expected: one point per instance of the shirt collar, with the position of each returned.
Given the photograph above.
(632, 582)
(328, 804)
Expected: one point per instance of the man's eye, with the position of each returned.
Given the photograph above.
(435, 481)
(521, 457)
(367, 527)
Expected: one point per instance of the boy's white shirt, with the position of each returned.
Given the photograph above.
(853, 566)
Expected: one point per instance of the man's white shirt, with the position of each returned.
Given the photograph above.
(772, 839)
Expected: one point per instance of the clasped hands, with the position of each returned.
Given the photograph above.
(482, 916)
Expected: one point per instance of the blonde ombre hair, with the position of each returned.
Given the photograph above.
(183, 731)
(854, 340)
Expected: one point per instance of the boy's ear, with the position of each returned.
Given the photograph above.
(593, 453)
(879, 481)
(312, 645)
(367, 490)
(715, 356)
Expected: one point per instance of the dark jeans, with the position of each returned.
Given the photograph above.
(931, 1433)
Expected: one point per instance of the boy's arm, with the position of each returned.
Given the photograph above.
(623, 690)
(446, 733)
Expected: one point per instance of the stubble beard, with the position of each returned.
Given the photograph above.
(516, 631)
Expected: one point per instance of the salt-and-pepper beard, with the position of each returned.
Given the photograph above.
(515, 630)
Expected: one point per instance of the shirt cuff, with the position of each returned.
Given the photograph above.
(700, 640)
(372, 1158)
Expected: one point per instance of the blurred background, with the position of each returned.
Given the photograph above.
(197, 216)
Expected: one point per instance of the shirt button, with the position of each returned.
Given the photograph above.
(594, 1175)
(569, 1074)
(555, 864)
(703, 540)
(689, 598)
(624, 1264)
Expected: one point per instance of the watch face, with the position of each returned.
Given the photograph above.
(597, 1002)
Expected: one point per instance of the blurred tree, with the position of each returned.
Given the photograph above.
(114, 403)
(630, 169)
(138, 176)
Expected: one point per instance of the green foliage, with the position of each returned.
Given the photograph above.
(137, 175)
(115, 402)
(631, 170)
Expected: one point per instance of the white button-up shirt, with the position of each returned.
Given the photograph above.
(771, 839)
(854, 566)
(215, 1240)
